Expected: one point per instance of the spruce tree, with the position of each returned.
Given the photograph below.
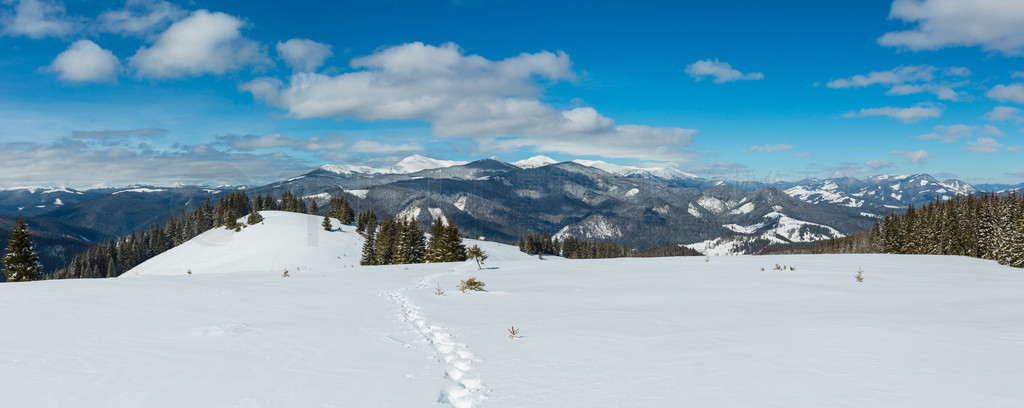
(21, 264)
(435, 244)
(314, 209)
(327, 223)
(368, 257)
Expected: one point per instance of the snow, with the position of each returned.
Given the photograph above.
(358, 193)
(924, 183)
(658, 332)
(349, 169)
(58, 202)
(693, 211)
(827, 194)
(534, 162)
(417, 163)
(667, 173)
(632, 192)
(663, 210)
(409, 164)
(321, 196)
(413, 212)
(140, 190)
(712, 204)
(436, 212)
(594, 227)
(743, 209)
(461, 203)
(896, 196)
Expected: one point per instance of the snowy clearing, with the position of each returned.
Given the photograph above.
(660, 332)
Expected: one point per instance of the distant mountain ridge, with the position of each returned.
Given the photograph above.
(635, 206)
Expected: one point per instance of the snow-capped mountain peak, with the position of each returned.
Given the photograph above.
(417, 163)
(534, 162)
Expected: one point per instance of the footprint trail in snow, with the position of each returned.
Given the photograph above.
(467, 390)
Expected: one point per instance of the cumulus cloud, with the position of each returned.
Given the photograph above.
(721, 71)
(117, 134)
(84, 61)
(803, 155)
(912, 79)
(202, 43)
(1004, 93)
(139, 17)
(949, 134)
(81, 164)
(878, 164)
(317, 144)
(984, 145)
(1018, 173)
(494, 102)
(1004, 114)
(916, 157)
(768, 148)
(994, 25)
(905, 115)
(303, 55)
(37, 19)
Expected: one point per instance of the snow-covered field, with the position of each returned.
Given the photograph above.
(670, 332)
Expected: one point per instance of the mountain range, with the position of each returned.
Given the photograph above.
(498, 200)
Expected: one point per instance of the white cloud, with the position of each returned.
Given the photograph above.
(1011, 92)
(895, 76)
(37, 19)
(984, 145)
(84, 61)
(907, 80)
(949, 134)
(1015, 149)
(992, 130)
(81, 164)
(139, 17)
(803, 155)
(878, 164)
(905, 115)
(327, 143)
(117, 134)
(494, 102)
(303, 55)
(721, 71)
(1004, 114)
(994, 25)
(916, 157)
(768, 148)
(1017, 74)
(203, 43)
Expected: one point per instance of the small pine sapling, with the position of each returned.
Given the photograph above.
(478, 255)
(285, 274)
(189, 271)
(707, 259)
(859, 276)
(471, 284)
(439, 291)
(513, 332)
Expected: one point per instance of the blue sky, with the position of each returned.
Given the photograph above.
(108, 92)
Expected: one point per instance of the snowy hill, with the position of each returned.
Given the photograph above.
(284, 240)
(919, 331)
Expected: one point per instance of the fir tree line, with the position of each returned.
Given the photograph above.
(403, 241)
(575, 248)
(986, 226)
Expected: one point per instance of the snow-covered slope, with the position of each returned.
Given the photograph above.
(919, 331)
(664, 173)
(411, 164)
(534, 162)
